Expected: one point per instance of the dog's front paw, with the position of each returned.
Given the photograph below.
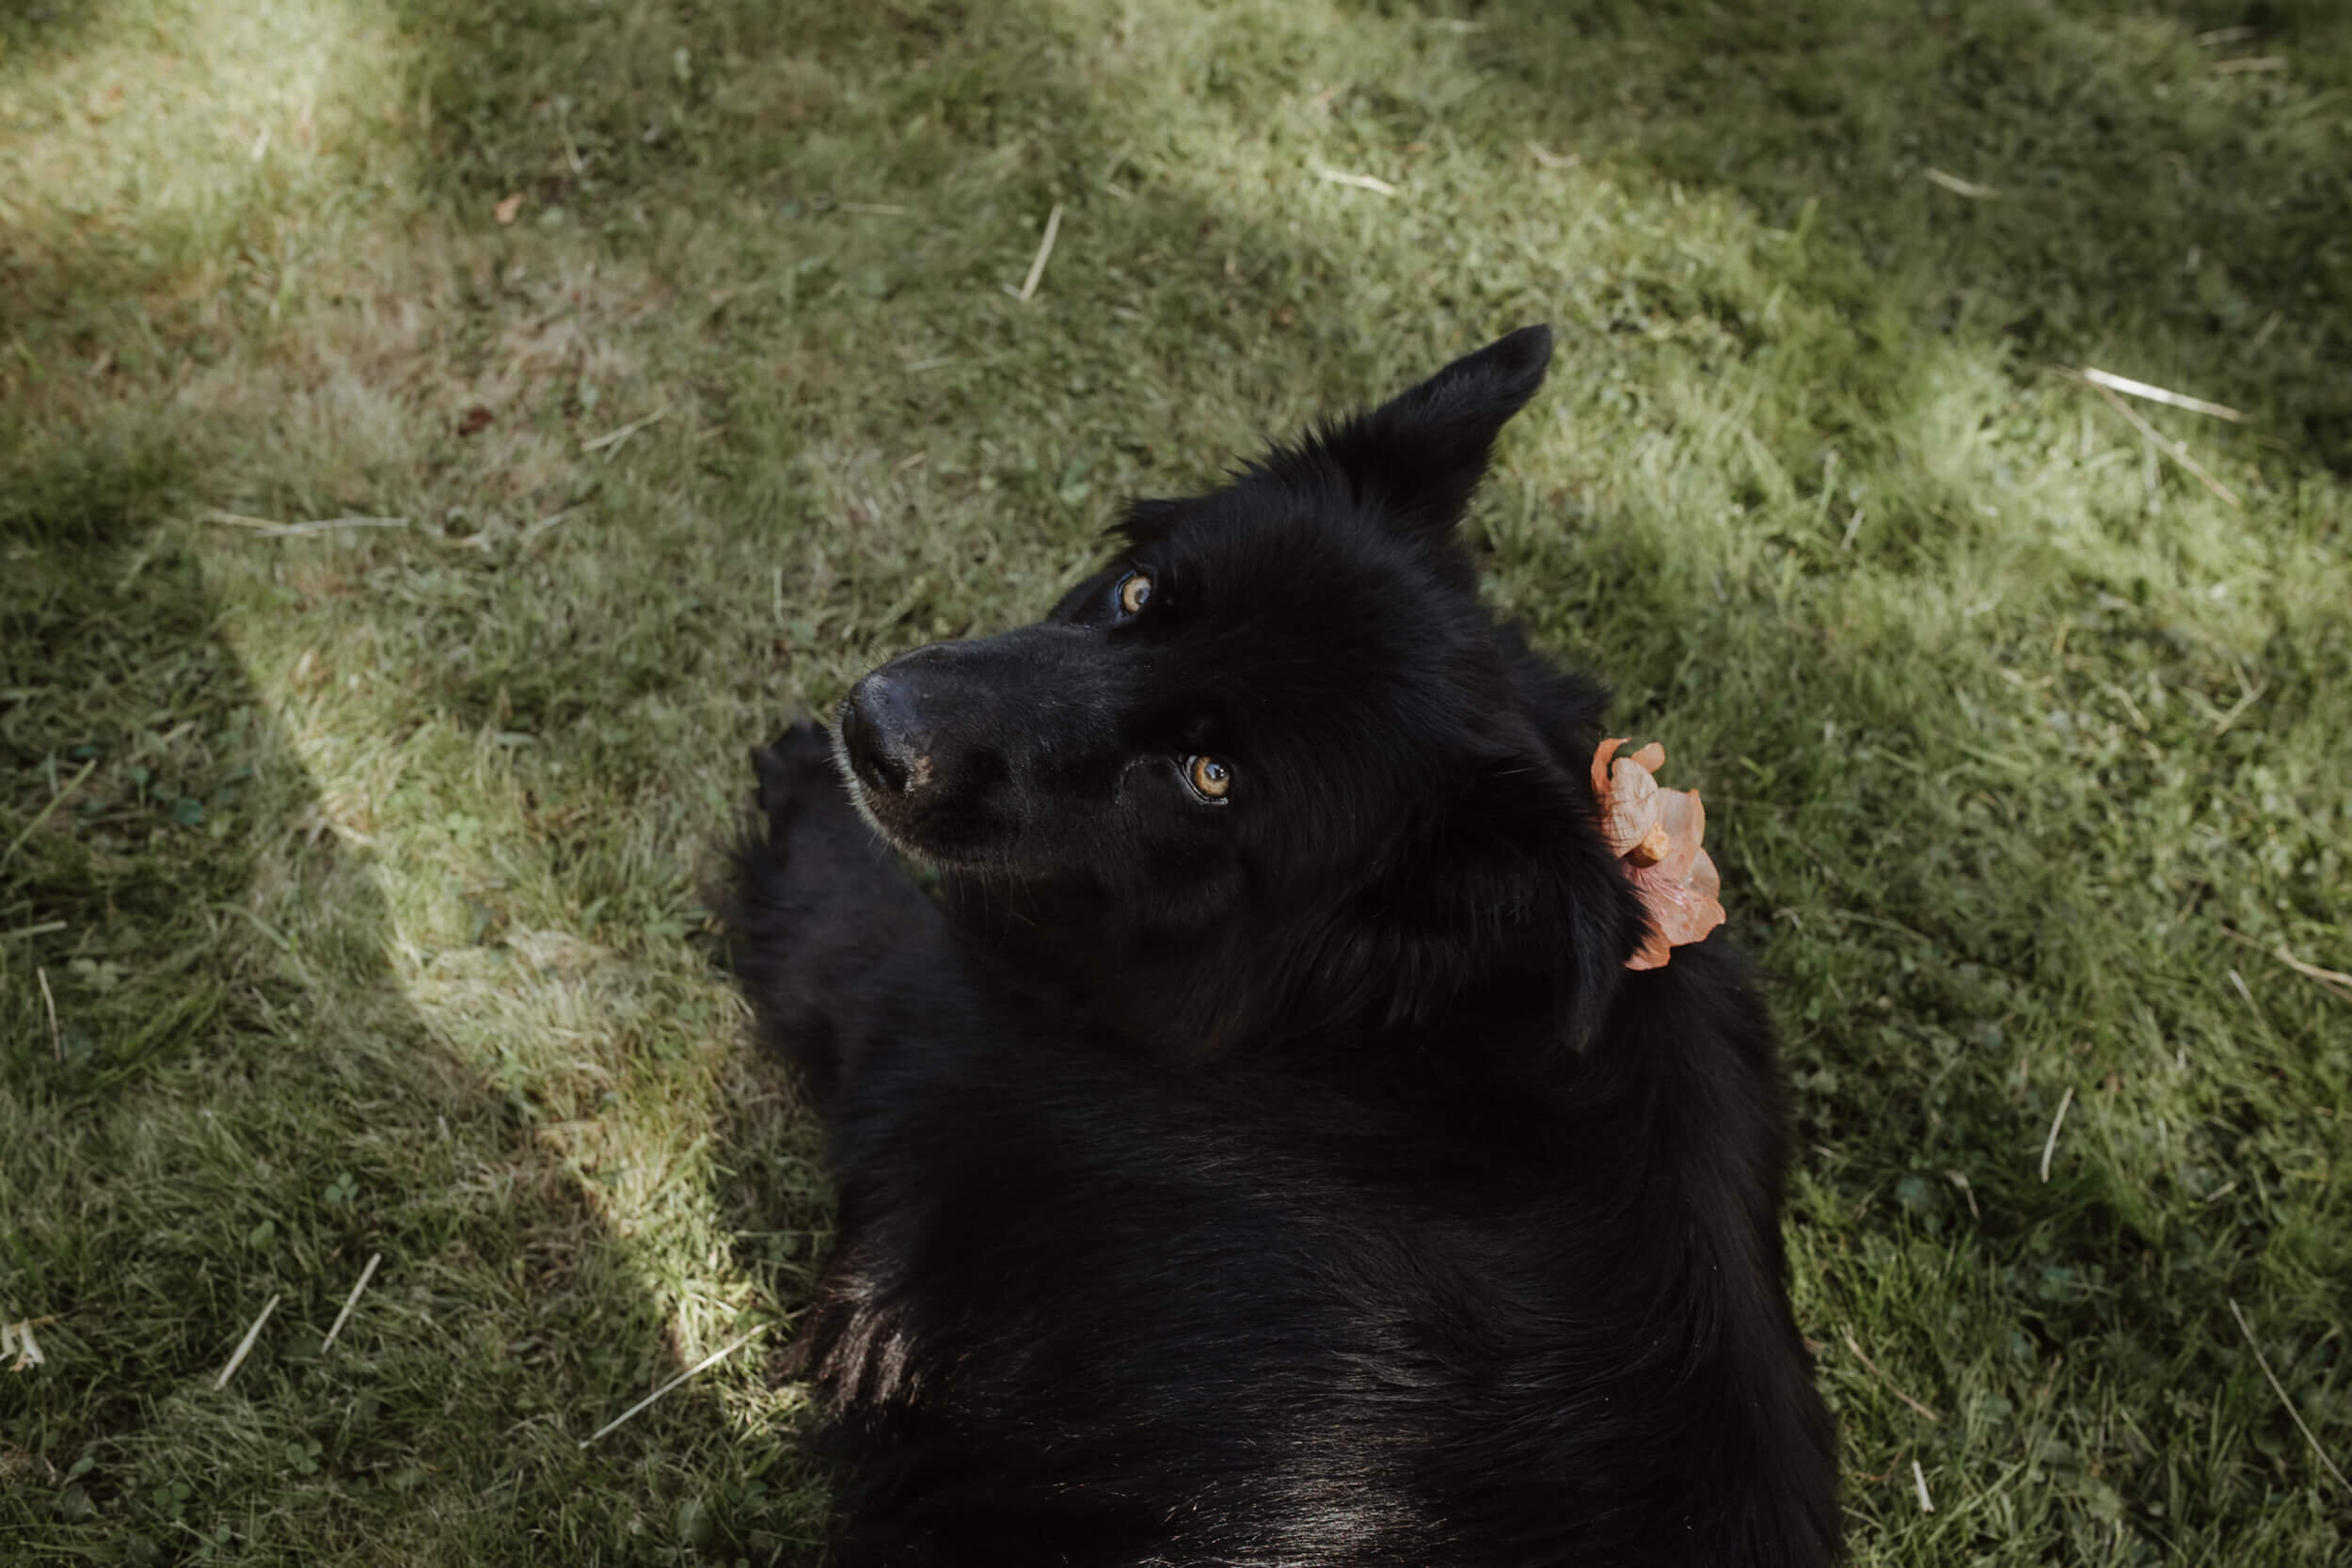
(817, 905)
(796, 771)
(816, 848)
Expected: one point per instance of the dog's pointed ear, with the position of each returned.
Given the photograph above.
(1421, 455)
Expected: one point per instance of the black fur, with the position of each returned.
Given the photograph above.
(1295, 1178)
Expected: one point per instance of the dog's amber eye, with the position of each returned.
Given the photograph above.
(1135, 593)
(1210, 779)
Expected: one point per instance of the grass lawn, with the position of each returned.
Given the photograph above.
(348, 876)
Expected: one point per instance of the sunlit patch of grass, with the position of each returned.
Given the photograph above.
(171, 169)
(365, 893)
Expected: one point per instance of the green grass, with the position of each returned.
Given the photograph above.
(361, 868)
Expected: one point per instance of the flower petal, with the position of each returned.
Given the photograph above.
(1653, 952)
(1685, 822)
(1631, 808)
(1680, 887)
(1600, 769)
(1680, 914)
(1706, 883)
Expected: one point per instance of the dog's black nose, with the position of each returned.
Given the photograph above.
(883, 736)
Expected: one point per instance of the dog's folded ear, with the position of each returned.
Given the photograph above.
(1419, 455)
(1151, 519)
(1515, 881)
(1512, 887)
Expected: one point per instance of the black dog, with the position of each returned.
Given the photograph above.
(1264, 1156)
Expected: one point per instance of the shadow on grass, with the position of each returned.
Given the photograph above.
(214, 1101)
(35, 35)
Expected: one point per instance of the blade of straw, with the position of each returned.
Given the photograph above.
(351, 1301)
(711, 1360)
(244, 1346)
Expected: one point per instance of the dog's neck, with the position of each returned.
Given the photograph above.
(1250, 986)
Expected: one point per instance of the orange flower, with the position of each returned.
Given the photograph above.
(1655, 833)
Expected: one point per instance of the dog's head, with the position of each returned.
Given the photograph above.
(1277, 737)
